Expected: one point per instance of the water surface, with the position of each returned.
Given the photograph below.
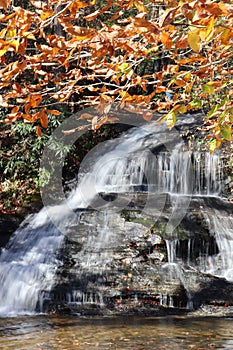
(124, 333)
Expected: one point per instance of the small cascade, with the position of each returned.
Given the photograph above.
(179, 172)
(27, 265)
(29, 261)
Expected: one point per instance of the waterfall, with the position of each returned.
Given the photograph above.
(136, 162)
(220, 264)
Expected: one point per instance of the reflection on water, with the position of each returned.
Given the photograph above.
(43, 332)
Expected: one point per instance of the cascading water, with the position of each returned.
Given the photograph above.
(141, 160)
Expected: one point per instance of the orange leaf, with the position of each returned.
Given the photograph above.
(43, 119)
(35, 100)
(166, 39)
(194, 41)
(27, 107)
(160, 89)
(53, 111)
(38, 131)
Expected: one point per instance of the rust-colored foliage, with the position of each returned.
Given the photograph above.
(92, 53)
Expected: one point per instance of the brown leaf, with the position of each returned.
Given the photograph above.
(85, 116)
(4, 4)
(168, 16)
(147, 115)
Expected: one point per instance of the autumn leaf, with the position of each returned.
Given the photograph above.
(140, 6)
(11, 34)
(167, 16)
(35, 100)
(226, 133)
(208, 89)
(165, 38)
(135, 53)
(43, 119)
(69, 132)
(205, 34)
(53, 111)
(213, 144)
(171, 119)
(3, 51)
(46, 14)
(4, 4)
(147, 115)
(194, 41)
(38, 131)
(92, 16)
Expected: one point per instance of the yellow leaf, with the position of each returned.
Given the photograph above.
(226, 35)
(140, 6)
(29, 35)
(15, 43)
(205, 34)
(194, 41)
(171, 119)
(46, 14)
(3, 51)
(11, 34)
(227, 133)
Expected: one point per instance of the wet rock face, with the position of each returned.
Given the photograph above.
(8, 224)
(124, 262)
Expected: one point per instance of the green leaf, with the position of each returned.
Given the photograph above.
(208, 89)
(226, 133)
(222, 116)
(196, 103)
(212, 111)
(213, 144)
